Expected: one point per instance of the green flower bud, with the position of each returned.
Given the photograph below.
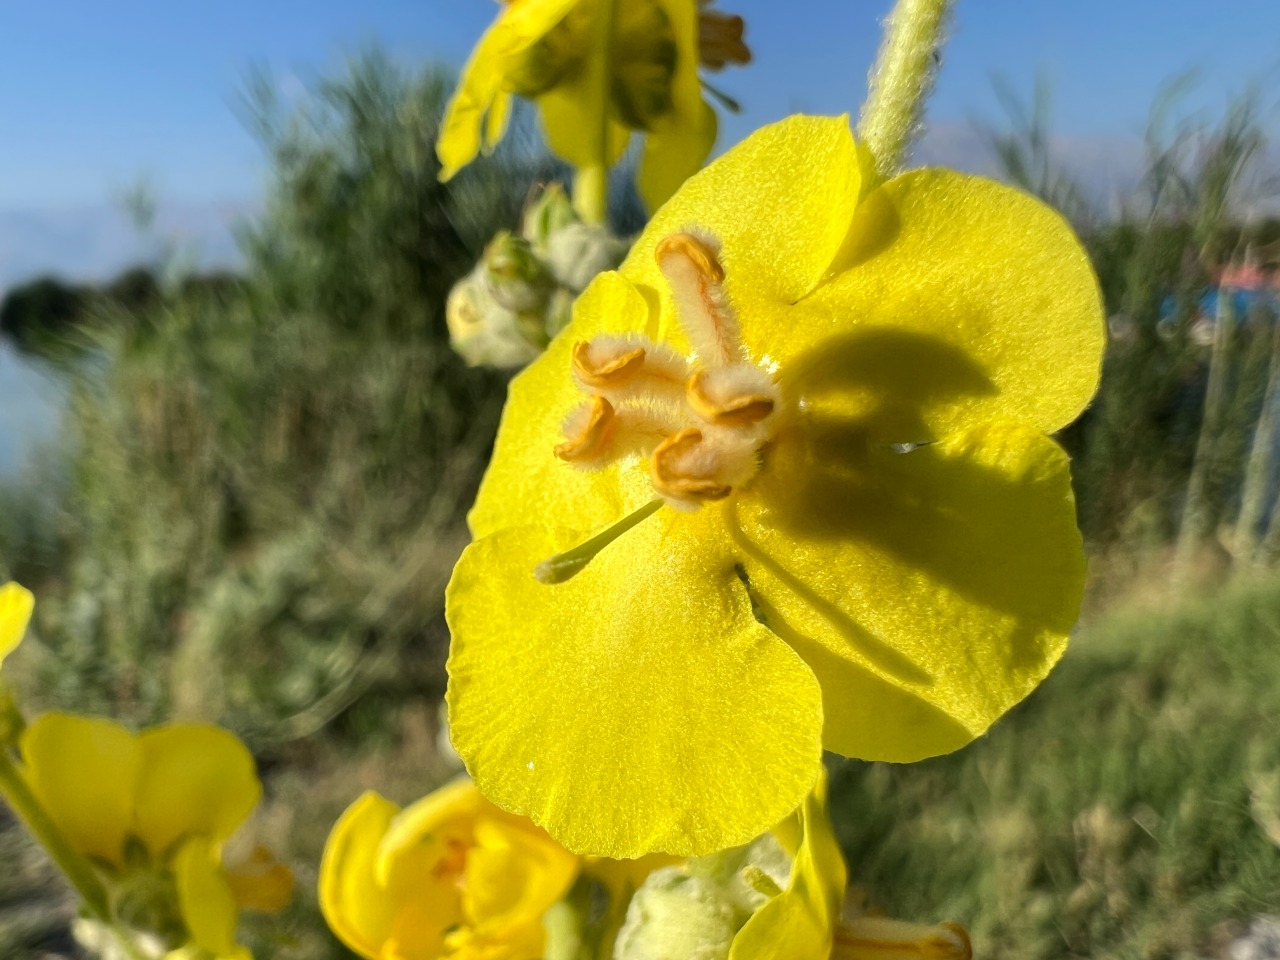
(550, 212)
(517, 277)
(482, 330)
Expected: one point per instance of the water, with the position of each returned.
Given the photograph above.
(31, 403)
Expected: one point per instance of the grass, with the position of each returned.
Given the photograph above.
(1129, 809)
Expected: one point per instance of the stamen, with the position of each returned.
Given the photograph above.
(624, 368)
(879, 938)
(692, 268)
(736, 396)
(600, 363)
(720, 40)
(562, 566)
(588, 430)
(697, 466)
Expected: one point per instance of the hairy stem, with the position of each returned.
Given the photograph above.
(902, 80)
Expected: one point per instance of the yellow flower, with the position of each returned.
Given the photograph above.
(870, 543)
(777, 897)
(449, 876)
(16, 604)
(152, 811)
(549, 51)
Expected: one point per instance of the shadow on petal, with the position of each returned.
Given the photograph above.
(881, 380)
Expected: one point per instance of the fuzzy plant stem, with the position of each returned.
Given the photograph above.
(591, 182)
(17, 793)
(902, 80)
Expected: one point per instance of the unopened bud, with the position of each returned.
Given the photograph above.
(578, 251)
(550, 212)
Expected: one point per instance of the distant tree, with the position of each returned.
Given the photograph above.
(40, 312)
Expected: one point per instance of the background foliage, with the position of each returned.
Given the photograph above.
(259, 492)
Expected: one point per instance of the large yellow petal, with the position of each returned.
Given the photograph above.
(674, 153)
(958, 300)
(352, 901)
(636, 708)
(16, 604)
(780, 202)
(195, 780)
(800, 921)
(204, 897)
(84, 771)
(525, 482)
(515, 873)
(480, 88)
(930, 591)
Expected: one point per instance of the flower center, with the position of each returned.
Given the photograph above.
(699, 420)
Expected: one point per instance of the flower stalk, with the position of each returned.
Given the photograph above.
(902, 80)
(591, 183)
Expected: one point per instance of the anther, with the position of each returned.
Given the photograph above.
(686, 470)
(627, 368)
(691, 265)
(599, 363)
(738, 396)
(588, 430)
(720, 40)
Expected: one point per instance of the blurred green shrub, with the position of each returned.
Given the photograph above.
(268, 478)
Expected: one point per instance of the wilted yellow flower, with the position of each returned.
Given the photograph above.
(16, 604)
(835, 394)
(449, 876)
(152, 812)
(640, 74)
(777, 897)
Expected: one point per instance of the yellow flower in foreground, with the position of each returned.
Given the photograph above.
(778, 897)
(152, 811)
(866, 541)
(551, 52)
(449, 876)
(16, 604)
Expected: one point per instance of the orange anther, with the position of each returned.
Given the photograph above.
(704, 258)
(673, 469)
(726, 408)
(597, 367)
(588, 431)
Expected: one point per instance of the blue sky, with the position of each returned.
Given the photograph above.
(94, 96)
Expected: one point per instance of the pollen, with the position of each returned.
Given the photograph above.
(700, 421)
(588, 430)
(604, 362)
(741, 395)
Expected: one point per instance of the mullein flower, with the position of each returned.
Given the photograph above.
(778, 896)
(16, 604)
(549, 52)
(786, 485)
(152, 811)
(448, 876)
